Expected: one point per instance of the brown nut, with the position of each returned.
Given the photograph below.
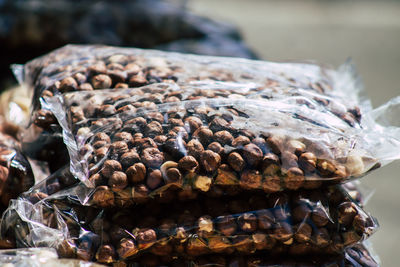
(320, 216)
(101, 81)
(194, 123)
(109, 167)
(123, 136)
(276, 144)
(204, 134)
(270, 164)
(154, 128)
(210, 160)
(252, 154)
(119, 147)
(361, 223)
(105, 254)
(107, 110)
(118, 181)
(194, 148)
(101, 137)
(240, 141)
(346, 213)
(85, 87)
(127, 248)
(154, 179)
(136, 173)
(223, 137)
(188, 164)
(129, 158)
(325, 167)
(145, 238)
(236, 161)
(152, 157)
(68, 84)
(216, 147)
(308, 162)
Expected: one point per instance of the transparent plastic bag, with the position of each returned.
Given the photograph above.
(38, 257)
(137, 140)
(357, 256)
(307, 222)
(76, 68)
(16, 174)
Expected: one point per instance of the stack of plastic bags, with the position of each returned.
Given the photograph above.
(178, 160)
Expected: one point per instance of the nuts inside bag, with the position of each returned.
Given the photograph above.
(86, 68)
(298, 223)
(130, 148)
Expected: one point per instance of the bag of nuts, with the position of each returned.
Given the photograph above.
(356, 256)
(38, 257)
(306, 222)
(15, 171)
(87, 68)
(208, 137)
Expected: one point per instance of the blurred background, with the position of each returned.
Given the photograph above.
(326, 31)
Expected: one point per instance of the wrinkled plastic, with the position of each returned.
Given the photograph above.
(298, 223)
(73, 68)
(16, 174)
(210, 135)
(357, 256)
(38, 257)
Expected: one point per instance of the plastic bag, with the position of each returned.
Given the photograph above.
(298, 223)
(15, 171)
(123, 141)
(357, 256)
(38, 257)
(73, 68)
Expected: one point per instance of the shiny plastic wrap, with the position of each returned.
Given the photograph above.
(77, 68)
(212, 136)
(15, 171)
(356, 256)
(38, 257)
(306, 222)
